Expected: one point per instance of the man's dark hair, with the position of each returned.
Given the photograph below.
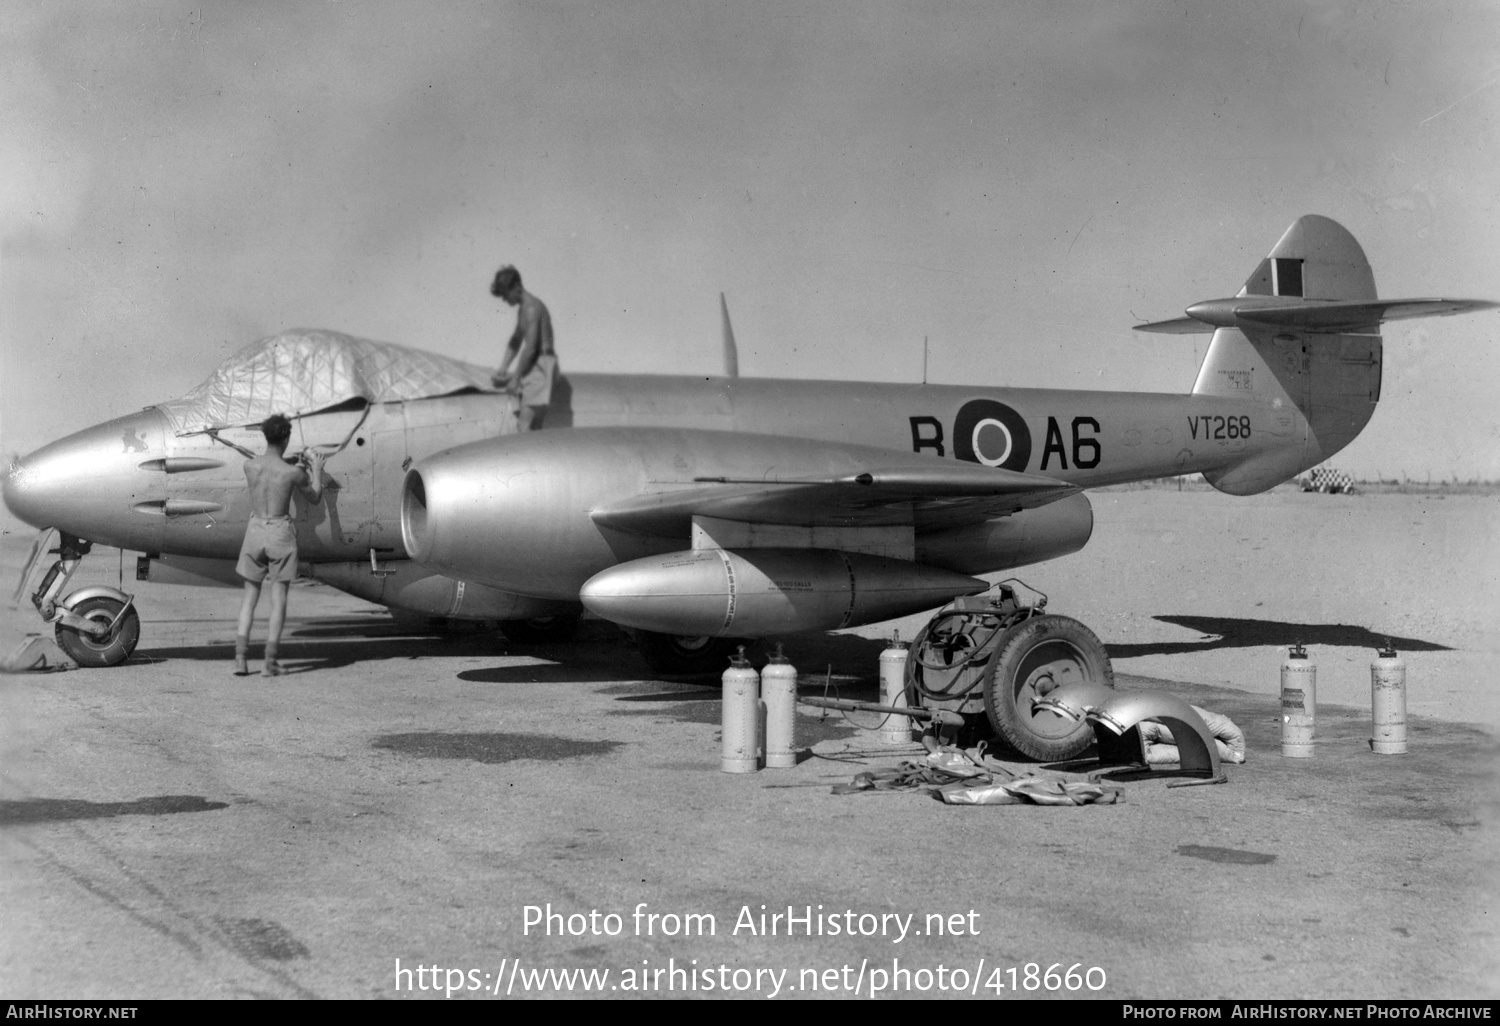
(506, 279)
(277, 429)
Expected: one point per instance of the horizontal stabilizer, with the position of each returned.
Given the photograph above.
(1309, 315)
(1176, 326)
(1352, 315)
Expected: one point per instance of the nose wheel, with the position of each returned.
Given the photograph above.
(114, 637)
(95, 626)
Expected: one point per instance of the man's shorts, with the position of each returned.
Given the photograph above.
(536, 386)
(269, 550)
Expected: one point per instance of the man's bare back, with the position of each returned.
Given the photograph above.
(531, 340)
(271, 481)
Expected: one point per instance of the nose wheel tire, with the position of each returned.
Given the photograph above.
(110, 650)
(1035, 657)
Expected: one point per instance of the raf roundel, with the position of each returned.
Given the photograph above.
(991, 434)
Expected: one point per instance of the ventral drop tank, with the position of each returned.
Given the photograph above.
(756, 592)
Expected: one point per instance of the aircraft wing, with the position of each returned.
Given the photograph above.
(928, 494)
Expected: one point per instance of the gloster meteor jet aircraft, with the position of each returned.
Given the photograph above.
(690, 509)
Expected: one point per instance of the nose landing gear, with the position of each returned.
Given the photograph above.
(95, 626)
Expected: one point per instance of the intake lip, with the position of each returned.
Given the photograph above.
(414, 523)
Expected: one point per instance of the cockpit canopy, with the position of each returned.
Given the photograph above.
(308, 369)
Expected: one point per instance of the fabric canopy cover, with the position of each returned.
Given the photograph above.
(306, 370)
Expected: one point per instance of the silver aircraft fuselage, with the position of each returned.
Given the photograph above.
(132, 484)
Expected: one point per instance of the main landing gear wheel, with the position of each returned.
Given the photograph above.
(1035, 657)
(111, 650)
(684, 654)
(541, 629)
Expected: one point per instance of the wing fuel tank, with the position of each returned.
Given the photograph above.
(756, 592)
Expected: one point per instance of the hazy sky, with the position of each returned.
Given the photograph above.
(1017, 182)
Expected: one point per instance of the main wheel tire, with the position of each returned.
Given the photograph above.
(681, 654)
(1035, 657)
(86, 650)
(541, 629)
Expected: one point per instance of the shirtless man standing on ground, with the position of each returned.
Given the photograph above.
(270, 546)
(530, 347)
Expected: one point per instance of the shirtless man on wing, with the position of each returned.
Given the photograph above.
(529, 367)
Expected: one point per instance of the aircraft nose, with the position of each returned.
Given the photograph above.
(14, 487)
(85, 483)
(37, 486)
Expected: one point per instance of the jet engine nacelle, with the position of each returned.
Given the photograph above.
(756, 592)
(1027, 536)
(514, 512)
(517, 514)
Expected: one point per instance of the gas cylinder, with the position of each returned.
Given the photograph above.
(1388, 702)
(778, 688)
(741, 716)
(895, 730)
(1298, 702)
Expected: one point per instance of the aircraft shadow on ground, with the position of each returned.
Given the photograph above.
(817, 657)
(1234, 632)
(326, 653)
(563, 667)
(563, 663)
(600, 653)
(327, 644)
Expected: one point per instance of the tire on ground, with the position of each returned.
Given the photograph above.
(1035, 657)
(86, 650)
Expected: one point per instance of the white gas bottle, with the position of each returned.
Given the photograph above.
(896, 729)
(1388, 702)
(778, 689)
(741, 716)
(1299, 699)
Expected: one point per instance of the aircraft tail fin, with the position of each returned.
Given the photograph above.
(1302, 335)
(1265, 348)
(1316, 258)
